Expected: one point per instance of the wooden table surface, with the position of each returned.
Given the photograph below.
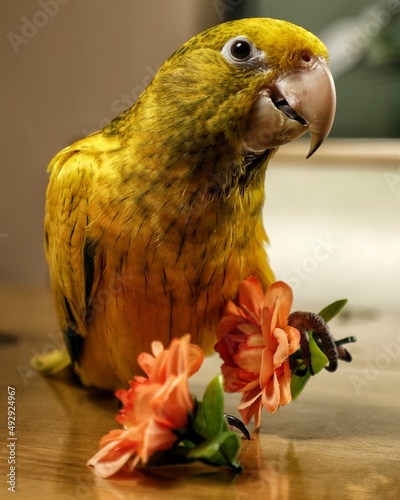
(341, 439)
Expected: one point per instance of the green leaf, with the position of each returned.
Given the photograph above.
(318, 358)
(329, 312)
(298, 382)
(222, 450)
(209, 420)
(230, 449)
(318, 361)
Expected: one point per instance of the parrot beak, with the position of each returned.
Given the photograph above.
(300, 101)
(311, 93)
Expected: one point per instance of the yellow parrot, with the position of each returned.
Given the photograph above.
(152, 222)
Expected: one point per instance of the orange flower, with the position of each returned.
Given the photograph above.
(255, 342)
(153, 407)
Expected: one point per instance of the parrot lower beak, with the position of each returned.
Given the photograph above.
(302, 100)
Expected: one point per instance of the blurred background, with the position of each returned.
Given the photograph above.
(363, 39)
(68, 67)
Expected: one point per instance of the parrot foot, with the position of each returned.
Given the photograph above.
(306, 322)
(49, 363)
(238, 424)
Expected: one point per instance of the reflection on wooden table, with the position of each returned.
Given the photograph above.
(341, 439)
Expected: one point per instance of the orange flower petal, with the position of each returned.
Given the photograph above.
(293, 339)
(117, 449)
(155, 437)
(284, 385)
(225, 350)
(251, 297)
(271, 395)
(267, 367)
(282, 350)
(229, 325)
(268, 324)
(196, 358)
(249, 359)
(250, 329)
(103, 468)
(146, 362)
(253, 340)
(172, 403)
(232, 381)
(156, 348)
(250, 406)
(254, 410)
(279, 299)
(252, 384)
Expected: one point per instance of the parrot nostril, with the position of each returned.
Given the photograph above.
(306, 57)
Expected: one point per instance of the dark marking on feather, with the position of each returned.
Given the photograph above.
(164, 281)
(113, 219)
(171, 307)
(72, 339)
(150, 240)
(171, 225)
(141, 225)
(211, 278)
(146, 274)
(121, 264)
(70, 315)
(207, 302)
(192, 293)
(192, 198)
(181, 247)
(71, 203)
(74, 343)
(88, 265)
(72, 233)
(224, 276)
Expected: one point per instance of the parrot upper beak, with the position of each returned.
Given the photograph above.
(302, 100)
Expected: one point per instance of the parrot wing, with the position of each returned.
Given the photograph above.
(70, 253)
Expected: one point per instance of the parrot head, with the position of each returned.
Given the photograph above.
(251, 85)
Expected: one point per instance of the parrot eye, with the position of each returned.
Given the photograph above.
(240, 50)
